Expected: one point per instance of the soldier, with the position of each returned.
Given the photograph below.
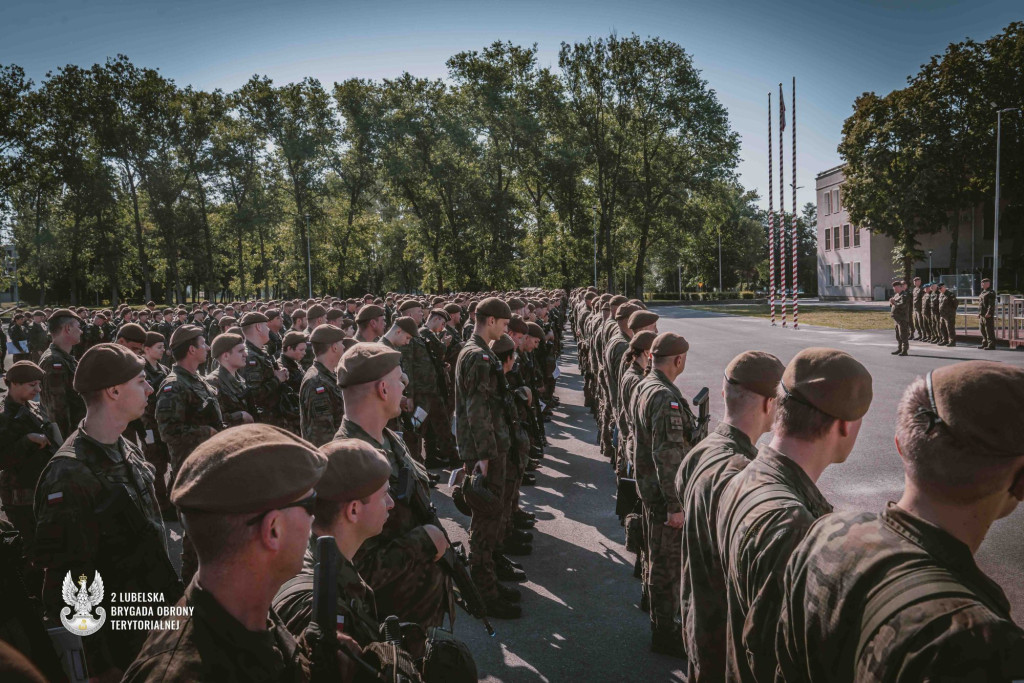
(516, 397)
(947, 315)
(262, 374)
(60, 401)
(153, 447)
(432, 391)
(899, 305)
(400, 563)
(767, 508)
(321, 403)
(986, 315)
(370, 323)
(334, 317)
(931, 333)
(18, 336)
(749, 388)
(132, 337)
(484, 445)
(933, 301)
(293, 350)
(629, 324)
(917, 324)
(634, 366)
(232, 394)
(38, 337)
(663, 426)
(96, 332)
(96, 508)
(274, 324)
(896, 595)
(247, 498)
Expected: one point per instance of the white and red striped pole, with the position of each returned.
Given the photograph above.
(771, 217)
(796, 293)
(782, 207)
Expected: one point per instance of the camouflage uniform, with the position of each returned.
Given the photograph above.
(232, 395)
(156, 452)
(79, 531)
(918, 326)
(933, 304)
(21, 462)
(662, 424)
(211, 645)
(38, 340)
(938, 617)
(422, 389)
(399, 563)
(931, 331)
(482, 434)
(705, 471)
(93, 335)
(357, 608)
(437, 429)
(947, 315)
(293, 384)
(264, 387)
(986, 317)
(321, 405)
(630, 378)
(899, 306)
(763, 514)
(59, 399)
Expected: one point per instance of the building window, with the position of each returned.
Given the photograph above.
(836, 207)
(856, 274)
(848, 275)
(826, 203)
(828, 239)
(856, 235)
(846, 237)
(829, 282)
(835, 236)
(838, 275)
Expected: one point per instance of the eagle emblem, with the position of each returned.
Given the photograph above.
(83, 600)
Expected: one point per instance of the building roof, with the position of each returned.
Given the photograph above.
(830, 171)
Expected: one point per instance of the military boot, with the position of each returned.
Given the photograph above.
(668, 641)
(508, 593)
(506, 570)
(519, 535)
(499, 608)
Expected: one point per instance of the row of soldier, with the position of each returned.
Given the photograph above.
(93, 501)
(749, 574)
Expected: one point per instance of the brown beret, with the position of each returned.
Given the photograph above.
(132, 332)
(896, 283)
(349, 342)
(981, 403)
(830, 380)
(503, 344)
(669, 344)
(326, 334)
(64, 313)
(355, 470)
(409, 305)
(407, 324)
(757, 371)
(452, 309)
(185, 333)
(493, 306)
(368, 313)
(106, 365)
(316, 311)
(270, 313)
(225, 342)
(642, 341)
(23, 372)
(640, 319)
(227, 321)
(335, 313)
(535, 330)
(298, 313)
(626, 310)
(253, 318)
(247, 469)
(441, 313)
(366, 362)
(618, 300)
(516, 303)
(517, 324)
(293, 338)
(153, 338)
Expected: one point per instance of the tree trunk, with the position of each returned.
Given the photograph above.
(74, 261)
(140, 244)
(208, 265)
(241, 261)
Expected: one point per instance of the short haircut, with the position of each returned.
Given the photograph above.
(326, 512)
(181, 350)
(505, 355)
(799, 420)
(739, 399)
(938, 461)
(320, 348)
(217, 536)
(55, 324)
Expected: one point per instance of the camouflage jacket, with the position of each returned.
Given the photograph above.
(948, 304)
(918, 293)
(418, 364)
(899, 306)
(62, 404)
(399, 563)
(211, 645)
(264, 387)
(631, 377)
(614, 350)
(480, 426)
(987, 303)
(187, 413)
(846, 559)
(321, 405)
(933, 303)
(763, 514)
(705, 471)
(155, 377)
(231, 395)
(295, 373)
(21, 460)
(38, 337)
(93, 335)
(273, 346)
(357, 608)
(662, 422)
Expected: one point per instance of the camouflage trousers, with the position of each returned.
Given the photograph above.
(486, 530)
(988, 330)
(513, 480)
(437, 430)
(930, 331)
(919, 328)
(902, 334)
(662, 570)
(948, 327)
(413, 440)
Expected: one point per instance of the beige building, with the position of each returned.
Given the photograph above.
(855, 264)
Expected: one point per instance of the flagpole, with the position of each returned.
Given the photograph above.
(796, 293)
(771, 216)
(782, 206)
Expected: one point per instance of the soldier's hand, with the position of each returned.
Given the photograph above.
(406, 404)
(281, 374)
(246, 417)
(481, 467)
(38, 439)
(675, 520)
(437, 536)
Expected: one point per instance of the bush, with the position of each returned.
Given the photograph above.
(746, 295)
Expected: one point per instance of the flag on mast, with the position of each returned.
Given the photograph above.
(782, 110)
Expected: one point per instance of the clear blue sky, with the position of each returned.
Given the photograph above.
(836, 50)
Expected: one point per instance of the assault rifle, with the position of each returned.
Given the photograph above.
(453, 562)
(700, 428)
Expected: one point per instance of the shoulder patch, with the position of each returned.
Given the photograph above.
(320, 390)
(55, 498)
(673, 404)
(167, 388)
(486, 357)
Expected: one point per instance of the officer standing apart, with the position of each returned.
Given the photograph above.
(987, 316)
(899, 305)
(663, 427)
(767, 508)
(96, 507)
(896, 595)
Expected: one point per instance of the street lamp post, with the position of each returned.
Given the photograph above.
(679, 276)
(595, 248)
(309, 263)
(995, 239)
(930, 266)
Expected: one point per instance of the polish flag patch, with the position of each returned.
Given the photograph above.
(55, 498)
(58, 366)
(340, 625)
(252, 362)
(168, 388)
(674, 405)
(320, 390)
(486, 357)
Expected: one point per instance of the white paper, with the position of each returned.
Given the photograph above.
(458, 474)
(149, 437)
(543, 406)
(557, 372)
(453, 426)
(17, 347)
(419, 415)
